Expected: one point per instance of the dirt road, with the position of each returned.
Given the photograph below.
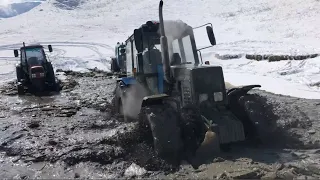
(76, 135)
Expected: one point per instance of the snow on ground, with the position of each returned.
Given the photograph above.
(294, 78)
(83, 34)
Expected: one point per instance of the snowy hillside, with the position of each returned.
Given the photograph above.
(83, 34)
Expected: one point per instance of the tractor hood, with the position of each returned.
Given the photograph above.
(201, 80)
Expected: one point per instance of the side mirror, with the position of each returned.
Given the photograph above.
(16, 53)
(50, 48)
(211, 36)
(138, 39)
(122, 51)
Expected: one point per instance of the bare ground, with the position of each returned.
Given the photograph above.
(74, 134)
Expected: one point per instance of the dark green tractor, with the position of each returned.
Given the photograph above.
(174, 95)
(34, 72)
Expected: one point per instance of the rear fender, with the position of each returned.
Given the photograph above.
(164, 99)
(241, 90)
(154, 99)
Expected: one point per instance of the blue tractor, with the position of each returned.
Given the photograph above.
(173, 95)
(118, 63)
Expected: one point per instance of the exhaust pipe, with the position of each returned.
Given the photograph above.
(164, 48)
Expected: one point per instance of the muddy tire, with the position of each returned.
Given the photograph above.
(160, 127)
(19, 73)
(193, 130)
(257, 116)
(118, 102)
(51, 79)
(239, 110)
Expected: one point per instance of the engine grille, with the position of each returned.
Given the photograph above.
(186, 92)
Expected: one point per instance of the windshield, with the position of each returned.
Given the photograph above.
(34, 56)
(182, 50)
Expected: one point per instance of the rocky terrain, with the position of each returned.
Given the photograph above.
(75, 134)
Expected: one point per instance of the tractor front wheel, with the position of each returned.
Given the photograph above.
(118, 102)
(19, 73)
(159, 127)
(238, 104)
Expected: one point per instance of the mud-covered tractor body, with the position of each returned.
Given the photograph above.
(34, 72)
(118, 63)
(162, 58)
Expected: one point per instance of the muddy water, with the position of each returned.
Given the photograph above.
(75, 135)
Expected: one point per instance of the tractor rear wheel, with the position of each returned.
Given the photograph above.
(19, 73)
(51, 79)
(159, 126)
(20, 89)
(238, 108)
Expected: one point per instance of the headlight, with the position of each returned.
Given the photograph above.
(218, 96)
(41, 74)
(203, 97)
(33, 76)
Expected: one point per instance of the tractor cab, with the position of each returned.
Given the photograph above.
(181, 43)
(120, 53)
(146, 63)
(32, 56)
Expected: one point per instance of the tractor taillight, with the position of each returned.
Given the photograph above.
(207, 62)
(37, 75)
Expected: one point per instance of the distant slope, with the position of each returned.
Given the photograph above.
(17, 9)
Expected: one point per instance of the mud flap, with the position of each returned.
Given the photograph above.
(241, 90)
(154, 99)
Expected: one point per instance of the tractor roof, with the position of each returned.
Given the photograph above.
(32, 46)
(174, 28)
